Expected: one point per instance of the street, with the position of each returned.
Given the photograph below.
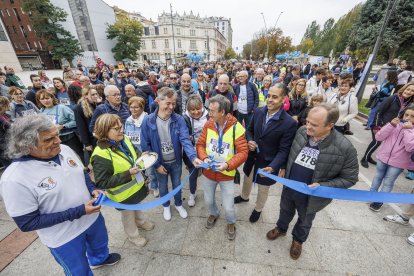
(346, 239)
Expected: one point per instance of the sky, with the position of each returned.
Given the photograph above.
(246, 18)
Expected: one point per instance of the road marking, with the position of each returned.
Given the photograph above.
(394, 206)
(356, 139)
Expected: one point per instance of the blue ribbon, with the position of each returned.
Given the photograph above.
(338, 193)
(104, 200)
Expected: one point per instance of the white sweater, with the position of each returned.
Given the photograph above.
(347, 105)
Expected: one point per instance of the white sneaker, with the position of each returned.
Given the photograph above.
(397, 219)
(191, 200)
(167, 213)
(182, 211)
(410, 239)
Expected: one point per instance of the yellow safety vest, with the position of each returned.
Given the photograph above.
(227, 150)
(262, 101)
(126, 190)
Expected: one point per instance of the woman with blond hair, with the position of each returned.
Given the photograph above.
(113, 162)
(298, 99)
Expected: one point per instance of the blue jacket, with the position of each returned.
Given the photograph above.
(273, 139)
(107, 108)
(252, 96)
(150, 140)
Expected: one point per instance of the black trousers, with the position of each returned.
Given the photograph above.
(290, 202)
(371, 147)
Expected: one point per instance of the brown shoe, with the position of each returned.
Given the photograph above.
(275, 233)
(211, 221)
(295, 250)
(231, 231)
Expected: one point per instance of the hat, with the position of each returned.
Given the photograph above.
(151, 73)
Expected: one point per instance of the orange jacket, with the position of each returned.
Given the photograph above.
(239, 158)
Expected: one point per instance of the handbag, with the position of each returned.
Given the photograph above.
(372, 98)
(237, 175)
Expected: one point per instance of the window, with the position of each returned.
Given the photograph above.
(165, 30)
(28, 27)
(7, 11)
(28, 45)
(151, 31)
(179, 43)
(205, 44)
(166, 43)
(17, 14)
(90, 48)
(82, 20)
(193, 45)
(192, 32)
(23, 31)
(35, 44)
(1, 13)
(178, 31)
(146, 30)
(154, 46)
(206, 32)
(142, 44)
(86, 34)
(40, 45)
(3, 36)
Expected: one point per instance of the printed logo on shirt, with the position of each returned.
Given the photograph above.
(47, 183)
(72, 163)
(167, 148)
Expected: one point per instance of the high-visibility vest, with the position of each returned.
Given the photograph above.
(227, 150)
(262, 101)
(120, 162)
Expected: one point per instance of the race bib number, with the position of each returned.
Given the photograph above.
(167, 148)
(307, 158)
(220, 154)
(134, 137)
(28, 112)
(64, 101)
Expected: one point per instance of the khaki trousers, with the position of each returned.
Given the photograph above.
(262, 193)
(130, 221)
(408, 209)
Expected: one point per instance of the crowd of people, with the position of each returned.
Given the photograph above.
(288, 120)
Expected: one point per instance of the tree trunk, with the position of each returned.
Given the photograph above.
(391, 54)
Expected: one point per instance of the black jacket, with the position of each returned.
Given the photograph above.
(145, 91)
(274, 141)
(82, 122)
(297, 105)
(389, 109)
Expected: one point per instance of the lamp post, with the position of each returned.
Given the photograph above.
(267, 38)
(173, 61)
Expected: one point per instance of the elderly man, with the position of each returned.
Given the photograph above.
(222, 140)
(185, 91)
(56, 199)
(247, 98)
(129, 93)
(319, 156)
(269, 135)
(84, 81)
(152, 80)
(166, 133)
(12, 79)
(122, 80)
(112, 105)
(258, 80)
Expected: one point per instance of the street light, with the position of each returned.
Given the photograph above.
(277, 20)
(267, 39)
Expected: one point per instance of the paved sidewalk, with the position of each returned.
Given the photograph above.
(346, 239)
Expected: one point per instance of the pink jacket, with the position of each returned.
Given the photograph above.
(397, 146)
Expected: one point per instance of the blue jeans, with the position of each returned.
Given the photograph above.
(174, 170)
(193, 178)
(153, 178)
(386, 175)
(371, 115)
(227, 198)
(89, 248)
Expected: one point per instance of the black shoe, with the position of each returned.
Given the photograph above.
(365, 124)
(348, 132)
(375, 206)
(364, 163)
(112, 259)
(239, 199)
(372, 161)
(254, 216)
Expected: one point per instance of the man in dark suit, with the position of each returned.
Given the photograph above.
(269, 135)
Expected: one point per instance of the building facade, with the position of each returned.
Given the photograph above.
(7, 54)
(183, 34)
(30, 50)
(87, 21)
(223, 25)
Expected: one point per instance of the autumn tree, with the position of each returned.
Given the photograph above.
(230, 53)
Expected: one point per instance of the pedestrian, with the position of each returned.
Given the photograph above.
(314, 84)
(19, 107)
(61, 92)
(222, 140)
(4, 90)
(313, 101)
(298, 99)
(267, 83)
(71, 227)
(36, 86)
(166, 133)
(196, 116)
(5, 123)
(394, 154)
(269, 135)
(12, 79)
(247, 96)
(319, 156)
(390, 108)
(113, 163)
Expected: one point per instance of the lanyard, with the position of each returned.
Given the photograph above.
(125, 150)
(221, 134)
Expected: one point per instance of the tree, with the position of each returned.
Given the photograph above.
(230, 53)
(128, 33)
(312, 31)
(46, 20)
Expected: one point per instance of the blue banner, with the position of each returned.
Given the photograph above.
(338, 193)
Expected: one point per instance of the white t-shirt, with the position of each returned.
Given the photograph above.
(242, 100)
(27, 186)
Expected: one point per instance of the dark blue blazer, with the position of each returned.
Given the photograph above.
(252, 96)
(274, 140)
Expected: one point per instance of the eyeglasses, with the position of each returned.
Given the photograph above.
(117, 128)
(173, 78)
(300, 84)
